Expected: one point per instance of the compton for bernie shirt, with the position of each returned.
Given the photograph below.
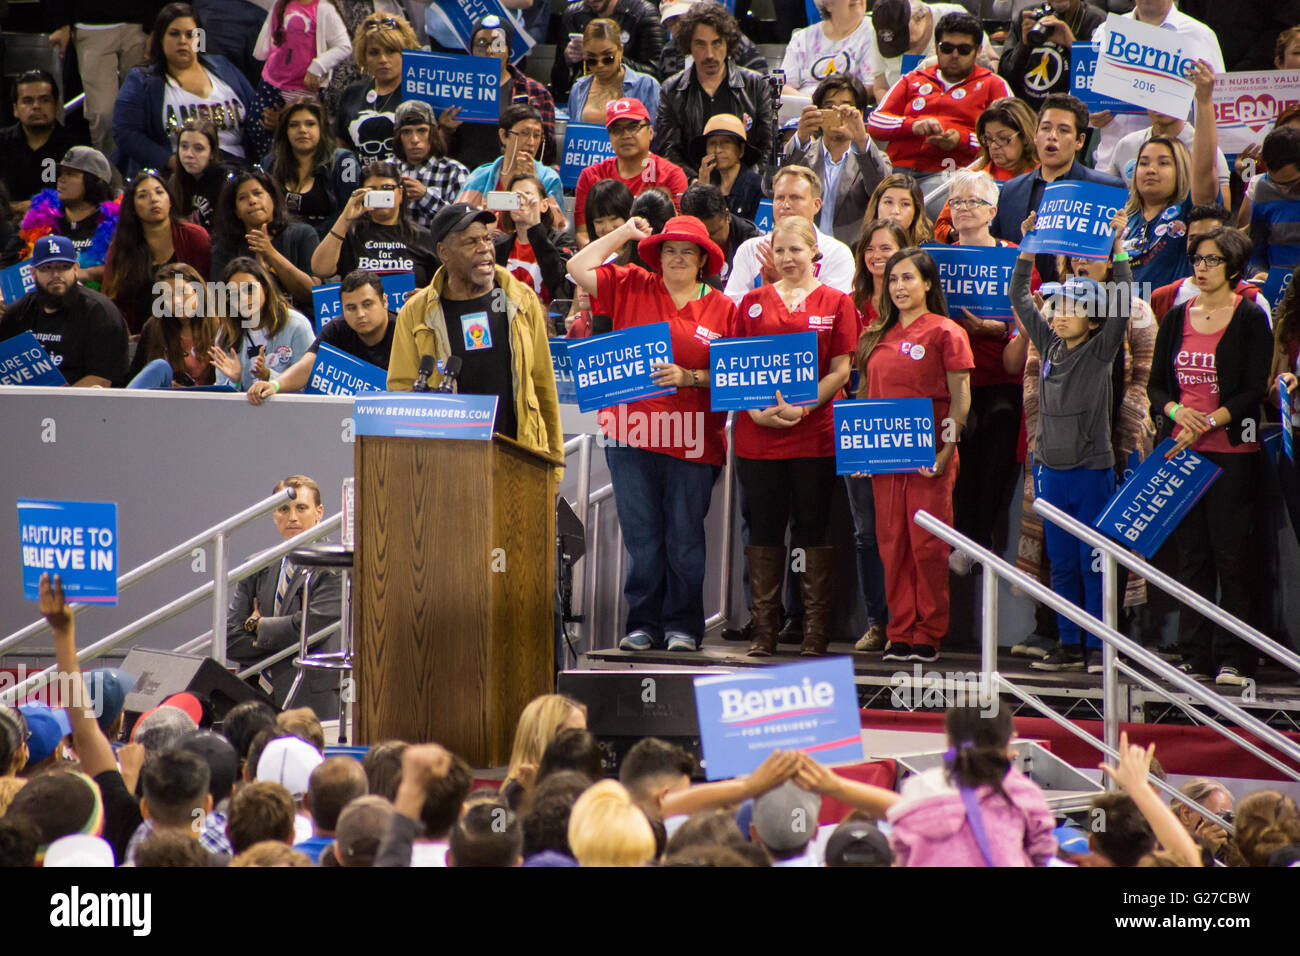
(383, 249)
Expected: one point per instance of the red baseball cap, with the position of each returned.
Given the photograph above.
(628, 108)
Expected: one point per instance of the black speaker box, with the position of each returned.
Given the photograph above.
(159, 674)
(626, 706)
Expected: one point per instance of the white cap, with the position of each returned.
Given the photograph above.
(79, 849)
(674, 8)
(289, 761)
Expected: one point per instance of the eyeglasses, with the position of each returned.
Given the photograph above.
(1210, 261)
(532, 135)
(961, 49)
(1005, 140)
(627, 129)
(959, 204)
(605, 59)
(376, 147)
(387, 23)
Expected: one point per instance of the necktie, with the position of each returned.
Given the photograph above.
(286, 572)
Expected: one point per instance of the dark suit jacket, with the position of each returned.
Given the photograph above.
(862, 173)
(1013, 203)
(276, 632)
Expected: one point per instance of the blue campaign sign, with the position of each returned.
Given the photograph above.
(451, 23)
(976, 278)
(444, 80)
(76, 540)
(1275, 286)
(562, 364)
(415, 415)
(325, 304)
(585, 144)
(615, 368)
(337, 373)
(1284, 407)
(748, 372)
(16, 282)
(24, 361)
(811, 707)
(884, 436)
(1147, 507)
(763, 218)
(1074, 220)
(398, 286)
(1083, 64)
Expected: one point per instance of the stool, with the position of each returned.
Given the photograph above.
(317, 559)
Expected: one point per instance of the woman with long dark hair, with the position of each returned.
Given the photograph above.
(199, 174)
(317, 177)
(898, 198)
(149, 234)
(259, 335)
(176, 83)
(252, 221)
(176, 343)
(915, 351)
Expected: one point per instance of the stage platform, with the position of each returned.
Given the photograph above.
(888, 685)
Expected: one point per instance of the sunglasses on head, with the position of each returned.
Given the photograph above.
(387, 23)
(605, 59)
(961, 49)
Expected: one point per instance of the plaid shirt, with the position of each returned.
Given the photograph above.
(539, 97)
(212, 837)
(443, 179)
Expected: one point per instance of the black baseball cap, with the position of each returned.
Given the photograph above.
(454, 218)
(857, 843)
(892, 22)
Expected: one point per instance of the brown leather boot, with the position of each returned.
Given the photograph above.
(766, 575)
(818, 600)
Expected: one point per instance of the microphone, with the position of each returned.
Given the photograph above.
(601, 324)
(450, 370)
(422, 377)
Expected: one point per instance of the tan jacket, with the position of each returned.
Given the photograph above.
(422, 330)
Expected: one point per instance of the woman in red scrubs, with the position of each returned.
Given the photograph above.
(664, 453)
(913, 351)
(785, 454)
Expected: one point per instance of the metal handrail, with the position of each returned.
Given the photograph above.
(1175, 588)
(325, 632)
(177, 606)
(184, 549)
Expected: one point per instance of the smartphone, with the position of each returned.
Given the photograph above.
(380, 199)
(503, 200)
(831, 119)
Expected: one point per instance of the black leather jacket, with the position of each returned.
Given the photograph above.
(645, 40)
(683, 113)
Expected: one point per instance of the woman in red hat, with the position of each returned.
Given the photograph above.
(785, 454)
(664, 453)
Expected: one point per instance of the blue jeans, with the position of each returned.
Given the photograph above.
(1081, 493)
(157, 374)
(871, 572)
(662, 502)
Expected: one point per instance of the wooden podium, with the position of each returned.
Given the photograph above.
(453, 594)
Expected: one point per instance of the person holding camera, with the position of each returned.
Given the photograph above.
(1036, 56)
(374, 232)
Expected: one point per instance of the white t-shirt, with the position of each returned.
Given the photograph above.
(430, 854)
(892, 66)
(810, 57)
(1123, 160)
(223, 106)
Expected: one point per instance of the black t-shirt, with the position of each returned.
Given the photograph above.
(206, 191)
(369, 245)
(480, 336)
(23, 169)
(338, 334)
(121, 812)
(81, 233)
(364, 122)
(86, 337)
(723, 100)
(313, 207)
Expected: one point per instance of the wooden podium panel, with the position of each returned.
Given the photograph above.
(453, 591)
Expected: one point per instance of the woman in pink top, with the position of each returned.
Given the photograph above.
(1208, 378)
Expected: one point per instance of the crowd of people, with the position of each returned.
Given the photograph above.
(266, 157)
(262, 789)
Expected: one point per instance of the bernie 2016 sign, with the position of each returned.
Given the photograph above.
(445, 80)
(1074, 220)
(1144, 65)
(884, 436)
(748, 372)
(976, 278)
(1147, 508)
(617, 367)
(1083, 65)
(76, 540)
(812, 707)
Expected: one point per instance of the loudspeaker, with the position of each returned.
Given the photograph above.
(159, 674)
(626, 706)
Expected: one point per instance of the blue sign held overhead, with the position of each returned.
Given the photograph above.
(76, 540)
(562, 365)
(337, 373)
(1074, 220)
(1147, 507)
(428, 415)
(615, 368)
(884, 436)
(745, 716)
(451, 23)
(763, 218)
(976, 278)
(16, 282)
(24, 361)
(445, 80)
(1083, 64)
(584, 145)
(748, 372)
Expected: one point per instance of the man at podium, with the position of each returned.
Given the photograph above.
(478, 312)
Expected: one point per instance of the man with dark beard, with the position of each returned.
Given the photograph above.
(81, 329)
